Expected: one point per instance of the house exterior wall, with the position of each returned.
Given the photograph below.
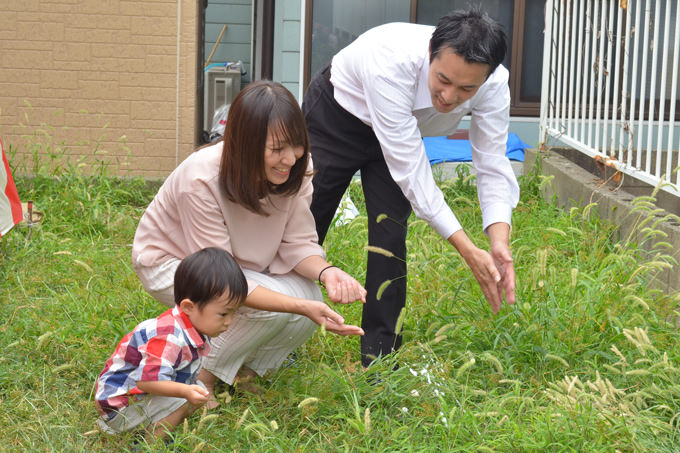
(287, 31)
(88, 75)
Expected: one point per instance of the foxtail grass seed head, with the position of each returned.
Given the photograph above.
(62, 368)
(574, 277)
(307, 401)
(642, 335)
(226, 396)
(542, 259)
(83, 265)
(444, 328)
(616, 351)
(576, 231)
(42, 339)
(205, 419)
(241, 419)
(557, 358)
(198, 447)
(381, 289)
(612, 369)
(663, 244)
(400, 322)
(465, 367)
(491, 359)
(380, 251)
(586, 210)
(639, 302)
(274, 425)
(556, 231)
(642, 361)
(380, 218)
(463, 200)
(545, 180)
(640, 372)
(509, 381)
(367, 419)
(571, 385)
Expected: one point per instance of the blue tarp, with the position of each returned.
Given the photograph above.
(442, 149)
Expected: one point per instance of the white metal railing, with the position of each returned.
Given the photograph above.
(603, 93)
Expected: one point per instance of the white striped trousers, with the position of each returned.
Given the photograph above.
(258, 339)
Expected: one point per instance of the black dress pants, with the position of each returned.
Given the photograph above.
(341, 145)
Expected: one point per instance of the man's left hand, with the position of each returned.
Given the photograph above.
(499, 236)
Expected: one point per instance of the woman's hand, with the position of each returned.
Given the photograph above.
(322, 314)
(265, 299)
(342, 288)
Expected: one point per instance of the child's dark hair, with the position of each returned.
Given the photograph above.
(206, 274)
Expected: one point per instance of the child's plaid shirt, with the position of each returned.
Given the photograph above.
(167, 348)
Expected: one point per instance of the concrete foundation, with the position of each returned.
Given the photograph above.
(578, 182)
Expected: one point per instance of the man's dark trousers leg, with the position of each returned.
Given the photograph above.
(341, 144)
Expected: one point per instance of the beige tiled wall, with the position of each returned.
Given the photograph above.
(94, 74)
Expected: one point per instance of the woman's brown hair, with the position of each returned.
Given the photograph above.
(260, 107)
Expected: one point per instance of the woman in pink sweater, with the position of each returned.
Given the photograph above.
(249, 194)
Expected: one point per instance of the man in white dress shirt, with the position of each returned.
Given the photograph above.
(369, 110)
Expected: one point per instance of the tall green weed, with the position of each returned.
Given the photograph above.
(587, 360)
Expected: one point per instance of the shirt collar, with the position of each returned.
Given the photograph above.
(195, 338)
(423, 99)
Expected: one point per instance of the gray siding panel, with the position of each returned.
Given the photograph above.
(230, 14)
(287, 44)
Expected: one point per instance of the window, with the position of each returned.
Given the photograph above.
(333, 25)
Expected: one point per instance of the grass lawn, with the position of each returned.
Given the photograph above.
(587, 360)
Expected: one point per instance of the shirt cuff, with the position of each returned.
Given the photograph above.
(252, 284)
(497, 212)
(445, 223)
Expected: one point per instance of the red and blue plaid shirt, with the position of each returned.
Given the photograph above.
(167, 348)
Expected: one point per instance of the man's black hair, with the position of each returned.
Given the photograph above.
(473, 35)
(207, 274)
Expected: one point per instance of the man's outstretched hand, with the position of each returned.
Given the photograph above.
(494, 270)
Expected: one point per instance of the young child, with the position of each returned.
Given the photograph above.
(150, 380)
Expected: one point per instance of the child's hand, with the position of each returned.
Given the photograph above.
(196, 395)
